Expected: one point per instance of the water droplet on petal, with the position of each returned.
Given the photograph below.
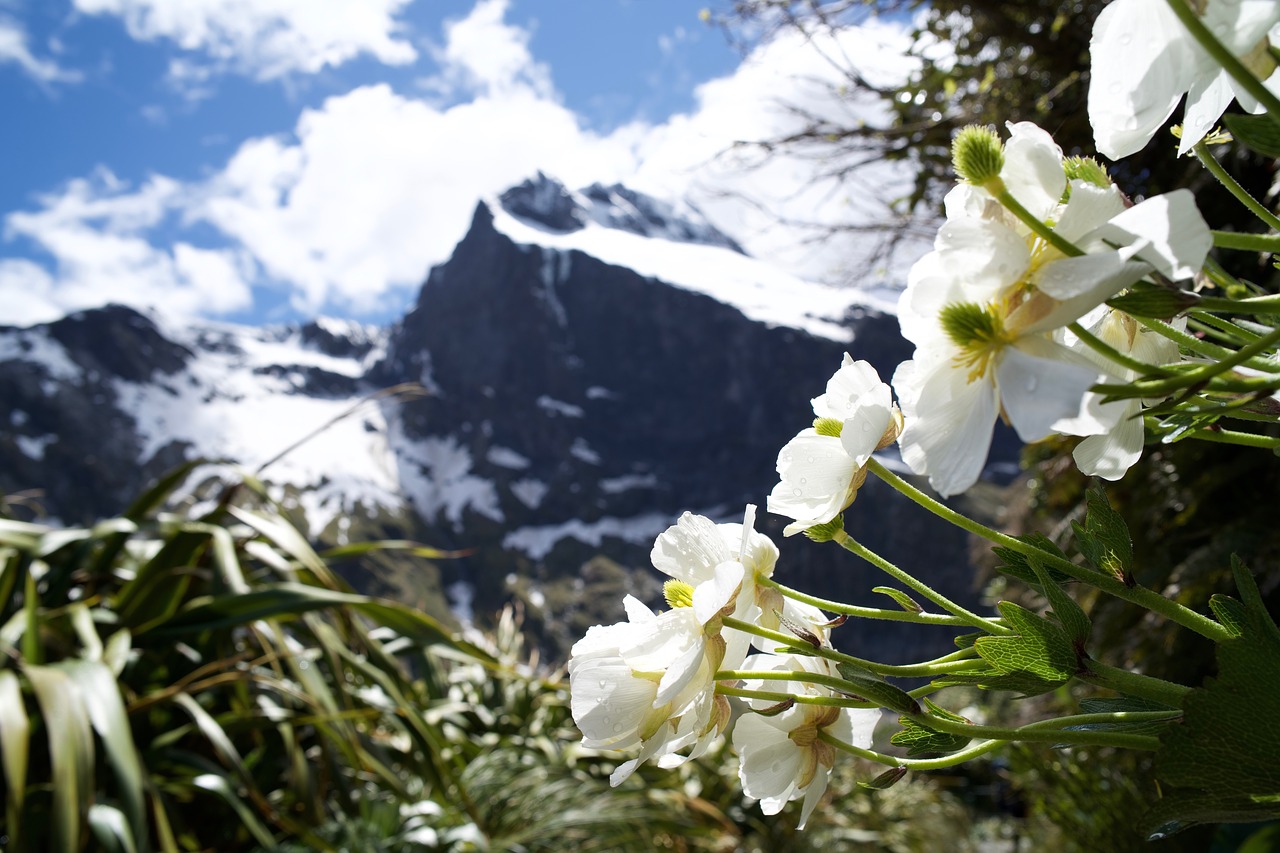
(866, 427)
(1125, 38)
(810, 460)
(797, 492)
(1032, 382)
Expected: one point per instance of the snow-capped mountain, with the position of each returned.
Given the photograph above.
(594, 363)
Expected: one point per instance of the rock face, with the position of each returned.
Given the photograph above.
(576, 408)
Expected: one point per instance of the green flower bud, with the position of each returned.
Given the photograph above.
(1084, 169)
(678, 593)
(828, 426)
(977, 154)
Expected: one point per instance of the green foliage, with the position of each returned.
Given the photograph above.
(919, 739)
(172, 683)
(1214, 765)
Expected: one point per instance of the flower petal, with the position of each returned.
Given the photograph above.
(1041, 384)
(948, 429)
(1113, 453)
(1174, 236)
(690, 549)
(1032, 170)
(816, 473)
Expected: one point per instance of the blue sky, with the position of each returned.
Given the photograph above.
(266, 160)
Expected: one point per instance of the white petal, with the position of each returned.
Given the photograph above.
(1038, 392)
(690, 549)
(852, 382)
(608, 704)
(768, 766)
(816, 473)
(1207, 100)
(1033, 169)
(866, 425)
(813, 795)
(1096, 277)
(949, 432)
(1142, 61)
(1090, 207)
(1174, 236)
(1113, 453)
(712, 596)
(983, 258)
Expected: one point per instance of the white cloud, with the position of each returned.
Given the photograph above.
(372, 188)
(95, 230)
(14, 50)
(485, 55)
(267, 38)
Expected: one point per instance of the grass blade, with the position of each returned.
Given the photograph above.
(70, 751)
(15, 732)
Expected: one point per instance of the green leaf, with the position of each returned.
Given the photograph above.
(904, 601)
(1039, 655)
(1229, 612)
(416, 549)
(919, 739)
(1257, 132)
(1222, 764)
(110, 829)
(15, 732)
(71, 751)
(219, 785)
(288, 599)
(873, 688)
(1014, 563)
(110, 720)
(1104, 538)
(1065, 609)
(1117, 705)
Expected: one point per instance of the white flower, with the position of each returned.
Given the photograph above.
(821, 472)
(781, 756)
(1110, 454)
(1144, 60)
(982, 309)
(647, 682)
(721, 563)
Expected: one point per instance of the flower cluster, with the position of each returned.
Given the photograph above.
(1049, 300)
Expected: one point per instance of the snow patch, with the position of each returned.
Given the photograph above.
(530, 492)
(461, 597)
(595, 392)
(615, 485)
(581, 450)
(537, 542)
(33, 447)
(35, 345)
(505, 457)
(558, 407)
(435, 473)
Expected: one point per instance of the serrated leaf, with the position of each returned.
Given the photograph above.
(1257, 132)
(903, 600)
(1222, 764)
(1039, 654)
(875, 689)
(1230, 613)
(1104, 537)
(966, 641)
(1014, 563)
(1065, 609)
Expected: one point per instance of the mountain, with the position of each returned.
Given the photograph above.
(595, 363)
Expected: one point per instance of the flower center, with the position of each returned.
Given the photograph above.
(978, 331)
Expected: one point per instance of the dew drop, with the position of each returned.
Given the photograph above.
(1125, 38)
(603, 684)
(1032, 382)
(797, 492)
(617, 728)
(803, 481)
(810, 460)
(866, 427)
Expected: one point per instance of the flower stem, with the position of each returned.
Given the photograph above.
(968, 616)
(774, 696)
(971, 751)
(863, 612)
(1233, 186)
(1134, 684)
(1038, 732)
(1246, 242)
(997, 188)
(923, 670)
(1138, 595)
(1107, 351)
(1245, 439)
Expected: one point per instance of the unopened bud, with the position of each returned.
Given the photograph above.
(977, 154)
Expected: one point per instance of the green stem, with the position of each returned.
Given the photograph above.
(1246, 242)
(1269, 304)
(1242, 195)
(1109, 352)
(971, 751)
(997, 188)
(1225, 329)
(1138, 595)
(968, 616)
(922, 670)
(1134, 684)
(1225, 58)
(1201, 375)
(1037, 732)
(772, 696)
(1228, 436)
(862, 612)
